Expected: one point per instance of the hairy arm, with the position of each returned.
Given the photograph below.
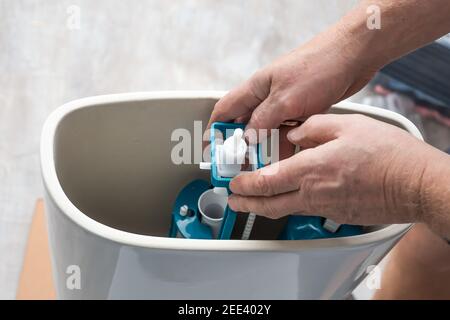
(405, 25)
(335, 64)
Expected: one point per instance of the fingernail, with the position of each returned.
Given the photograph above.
(247, 133)
(293, 135)
(232, 186)
(232, 202)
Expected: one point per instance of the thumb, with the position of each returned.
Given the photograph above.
(317, 130)
(268, 115)
(277, 178)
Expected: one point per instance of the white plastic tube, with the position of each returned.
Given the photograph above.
(212, 207)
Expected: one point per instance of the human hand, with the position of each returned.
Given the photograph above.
(352, 169)
(333, 65)
(304, 82)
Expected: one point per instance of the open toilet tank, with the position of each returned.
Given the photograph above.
(110, 186)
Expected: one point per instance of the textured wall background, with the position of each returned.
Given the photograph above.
(122, 46)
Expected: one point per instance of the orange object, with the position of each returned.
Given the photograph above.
(36, 281)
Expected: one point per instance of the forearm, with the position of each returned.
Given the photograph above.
(404, 26)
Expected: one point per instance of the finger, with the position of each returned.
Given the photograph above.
(274, 179)
(267, 115)
(243, 99)
(318, 129)
(279, 145)
(243, 119)
(271, 207)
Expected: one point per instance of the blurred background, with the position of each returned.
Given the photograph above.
(52, 52)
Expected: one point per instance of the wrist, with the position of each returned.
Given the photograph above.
(435, 194)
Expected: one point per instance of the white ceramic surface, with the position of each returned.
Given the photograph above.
(109, 191)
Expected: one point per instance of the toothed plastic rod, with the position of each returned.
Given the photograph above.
(251, 216)
(248, 226)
